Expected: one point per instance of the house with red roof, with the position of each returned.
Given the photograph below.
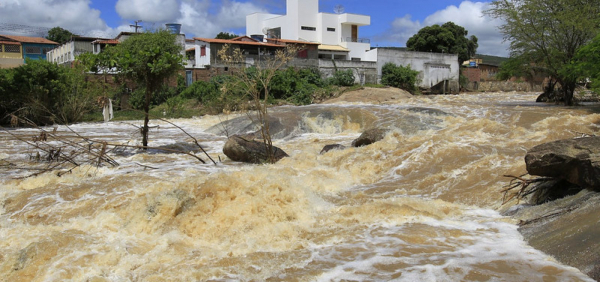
(203, 52)
(14, 50)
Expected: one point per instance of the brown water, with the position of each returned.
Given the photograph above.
(421, 205)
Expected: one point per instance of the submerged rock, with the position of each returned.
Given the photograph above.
(574, 160)
(243, 149)
(369, 137)
(330, 147)
(566, 229)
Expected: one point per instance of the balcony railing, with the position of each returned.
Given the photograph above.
(356, 40)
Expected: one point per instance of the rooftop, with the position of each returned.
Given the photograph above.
(27, 39)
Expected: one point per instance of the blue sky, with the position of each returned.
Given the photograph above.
(392, 21)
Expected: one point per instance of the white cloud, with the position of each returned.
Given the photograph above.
(148, 10)
(74, 15)
(196, 19)
(468, 15)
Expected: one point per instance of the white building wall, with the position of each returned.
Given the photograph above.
(62, 54)
(202, 61)
(329, 21)
(306, 13)
(433, 68)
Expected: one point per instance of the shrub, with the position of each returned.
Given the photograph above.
(343, 78)
(46, 93)
(400, 77)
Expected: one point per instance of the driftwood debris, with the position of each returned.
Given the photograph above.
(51, 151)
(524, 187)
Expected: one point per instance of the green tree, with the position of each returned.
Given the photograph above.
(585, 64)
(226, 35)
(548, 34)
(59, 35)
(146, 58)
(399, 77)
(447, 38)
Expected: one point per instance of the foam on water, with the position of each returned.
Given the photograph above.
(416, 206)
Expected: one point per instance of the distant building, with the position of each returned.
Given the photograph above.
(16, 49)
(337, 34)
(202, 52)
(66, 53)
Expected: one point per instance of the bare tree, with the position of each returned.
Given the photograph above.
(255, 81)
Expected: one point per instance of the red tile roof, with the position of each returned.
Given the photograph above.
(108, 41)
(10, 43)
(27, 39)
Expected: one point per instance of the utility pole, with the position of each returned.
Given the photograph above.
(136, 25)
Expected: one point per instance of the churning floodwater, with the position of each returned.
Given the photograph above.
(423, 204)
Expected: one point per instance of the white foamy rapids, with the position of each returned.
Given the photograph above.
(417, 206)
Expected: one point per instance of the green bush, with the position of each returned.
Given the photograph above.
(343, 78)
(399, 77)
(46, 93)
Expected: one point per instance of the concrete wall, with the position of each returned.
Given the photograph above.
(364, 72)
(7, 63)
(433, 68)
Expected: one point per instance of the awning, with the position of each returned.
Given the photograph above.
(337, 48)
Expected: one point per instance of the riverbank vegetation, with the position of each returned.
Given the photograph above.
(545, 38)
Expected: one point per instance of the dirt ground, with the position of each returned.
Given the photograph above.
(371, 96)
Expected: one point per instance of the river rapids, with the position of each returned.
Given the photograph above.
(423, 204)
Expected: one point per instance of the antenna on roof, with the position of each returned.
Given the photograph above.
(338, 9)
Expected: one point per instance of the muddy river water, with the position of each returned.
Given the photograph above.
(423, 204)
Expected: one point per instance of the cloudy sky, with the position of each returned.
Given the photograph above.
(392, 21)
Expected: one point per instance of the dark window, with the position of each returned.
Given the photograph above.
(33, 50)
(202, 51)
(331, 29)
(12, 48)
(309, 28)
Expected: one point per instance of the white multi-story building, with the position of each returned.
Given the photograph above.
(338, 34)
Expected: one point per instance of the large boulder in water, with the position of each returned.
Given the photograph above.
(245, 149)
(574, 160)
(369, 137)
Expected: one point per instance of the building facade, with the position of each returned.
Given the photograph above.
(66, 53)
(337, 34)
(17, 49)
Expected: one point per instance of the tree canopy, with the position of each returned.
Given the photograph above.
(586, 64)
(226, 35)
(447, 38)
(146, 58)
(548, 34)
(59, 35)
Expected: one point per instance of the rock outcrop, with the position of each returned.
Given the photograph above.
(574, 160)
(245, 149)
(330, 147)
(369, 137)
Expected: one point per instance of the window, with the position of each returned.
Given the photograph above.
(331, 29)
(12, 48)
(303, 54)
(203, 51)
(33, 50)
(308, 28)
